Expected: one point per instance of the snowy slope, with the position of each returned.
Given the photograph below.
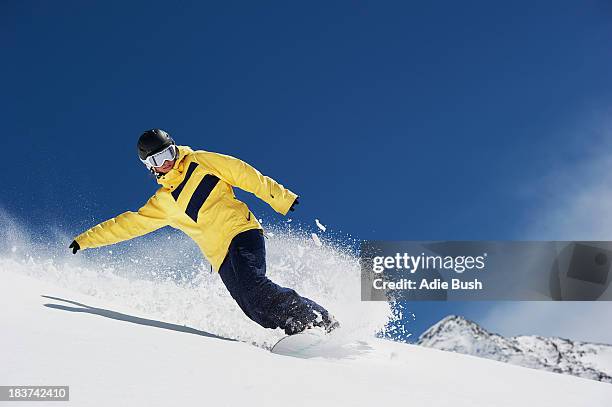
(112, 355)
(456, 334)
(144, 323)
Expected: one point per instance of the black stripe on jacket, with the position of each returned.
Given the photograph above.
(200, 194)
(179, 189)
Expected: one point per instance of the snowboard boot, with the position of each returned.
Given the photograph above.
(325, 322)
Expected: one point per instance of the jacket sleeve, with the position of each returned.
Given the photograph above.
(126, 226)
(240, 174)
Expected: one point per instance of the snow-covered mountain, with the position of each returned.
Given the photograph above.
(583, 359)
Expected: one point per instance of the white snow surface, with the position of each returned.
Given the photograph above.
(133, 328)
(110, 354)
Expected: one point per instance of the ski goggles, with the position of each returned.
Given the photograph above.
(158, 159)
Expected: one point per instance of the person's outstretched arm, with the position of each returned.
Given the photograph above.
(240, 174)
(126, 226)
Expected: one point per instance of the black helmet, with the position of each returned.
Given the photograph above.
(153, 141)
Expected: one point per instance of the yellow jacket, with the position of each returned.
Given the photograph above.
(196, 196)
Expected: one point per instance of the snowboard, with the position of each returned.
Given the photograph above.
(305, 344)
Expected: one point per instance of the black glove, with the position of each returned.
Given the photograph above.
(296, 202)
(74, 246)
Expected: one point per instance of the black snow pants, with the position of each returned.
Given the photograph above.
(244, 274)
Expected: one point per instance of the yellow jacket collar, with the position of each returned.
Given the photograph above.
(176, 174)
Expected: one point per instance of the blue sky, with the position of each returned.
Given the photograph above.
(392, 120)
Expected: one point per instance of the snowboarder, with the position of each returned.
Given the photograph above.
(196, 196)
